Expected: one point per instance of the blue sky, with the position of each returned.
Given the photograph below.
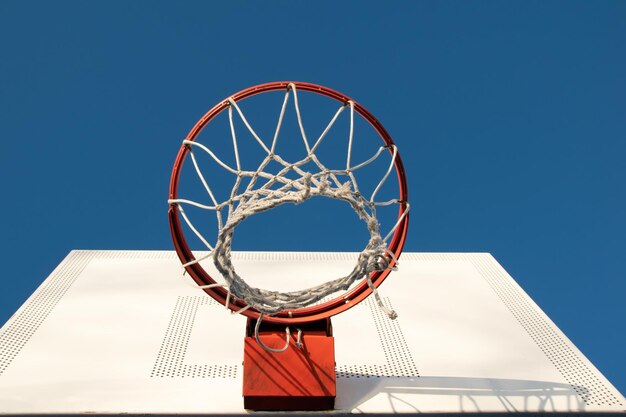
(510, 117)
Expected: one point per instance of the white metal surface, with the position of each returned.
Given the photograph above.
(121, 332)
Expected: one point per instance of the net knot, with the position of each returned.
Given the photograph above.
(346, 188)
(306, 178)
(378, 263)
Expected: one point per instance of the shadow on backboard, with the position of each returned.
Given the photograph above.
(455, 394)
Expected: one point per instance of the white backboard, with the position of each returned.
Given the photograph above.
(123, 332)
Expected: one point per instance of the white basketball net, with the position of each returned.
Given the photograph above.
(266, 191)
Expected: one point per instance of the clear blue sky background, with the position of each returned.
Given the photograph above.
(511, 118)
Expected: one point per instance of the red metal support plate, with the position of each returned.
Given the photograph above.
(296, 379)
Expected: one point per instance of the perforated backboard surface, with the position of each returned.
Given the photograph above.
(123, 332)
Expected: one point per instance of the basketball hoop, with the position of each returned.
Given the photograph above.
(266, 190)
(376, 271)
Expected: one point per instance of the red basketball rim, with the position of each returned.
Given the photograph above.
(301, 315)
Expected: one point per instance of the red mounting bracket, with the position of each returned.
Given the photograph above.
(300, 378)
